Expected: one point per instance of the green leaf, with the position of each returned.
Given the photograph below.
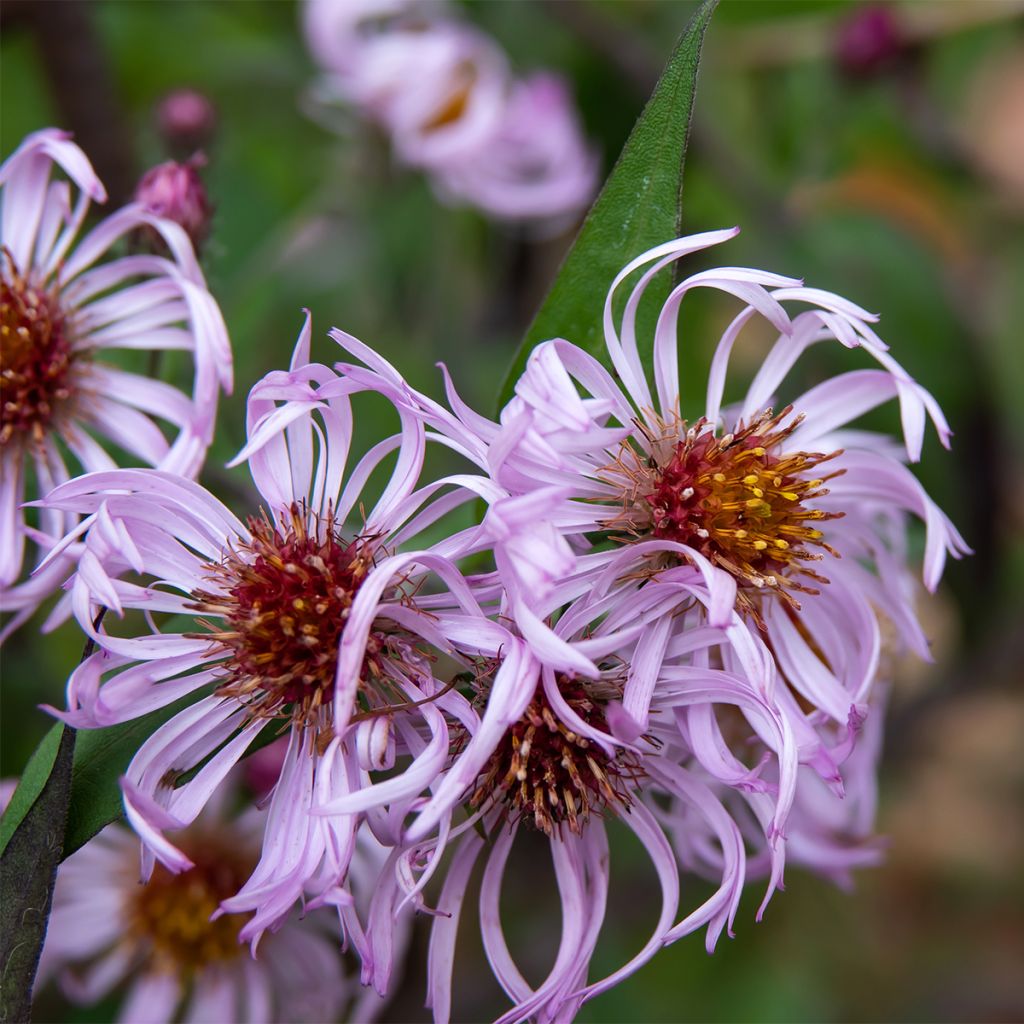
(68, 792)
(30, 785)
(101, 757)
(639, 206)
(28, 867)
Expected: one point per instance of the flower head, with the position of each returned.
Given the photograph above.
(512, 148)
(801, 511)
(64, 405)
(307, 618)
(536, 166)
(164, 944)
(545, 759)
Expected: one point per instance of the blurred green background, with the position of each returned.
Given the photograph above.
(900, 185)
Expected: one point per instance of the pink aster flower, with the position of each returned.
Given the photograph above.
(455, 105)
(65, 407)
(338, 33)
(805, 513)
(544, 758)
(175, 958)
(307, 617)
(711, 785)
(514, 149)
(451, 105)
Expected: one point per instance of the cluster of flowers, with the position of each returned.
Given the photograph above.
(443, 93)
(673, 626)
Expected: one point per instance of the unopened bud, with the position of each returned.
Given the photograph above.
(176, 192)
(869, 41)
(186, 120)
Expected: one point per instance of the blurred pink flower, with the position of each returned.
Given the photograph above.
(869, 39)
(186, 120)
(514, 149)
(457, 101)
(366, 50)
(163, 944)
(62, 310)
(536, 164)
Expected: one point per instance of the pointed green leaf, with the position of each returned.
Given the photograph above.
(101, 758)
(28, 867)
(639, 206)
(67, 793)
(30, 785)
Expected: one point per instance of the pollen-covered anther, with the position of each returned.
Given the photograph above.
(546, 774)
(36, 358)
(738, 499)
(285, 597)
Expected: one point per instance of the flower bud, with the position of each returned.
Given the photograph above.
(868, 41)
(176, 192)
(186, 120)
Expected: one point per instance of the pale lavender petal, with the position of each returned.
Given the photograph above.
(514, 685)
(153, 999)
(12, 539)
(441, 958)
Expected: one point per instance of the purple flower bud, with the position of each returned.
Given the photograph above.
(186, 120)
(868, 41)
(176, 192)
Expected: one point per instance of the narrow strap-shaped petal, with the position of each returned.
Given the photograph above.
(444, 930)
(512, 690)
(643, 825)
(748, 285)
(495, 947)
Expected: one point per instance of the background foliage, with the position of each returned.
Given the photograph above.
(887, 188)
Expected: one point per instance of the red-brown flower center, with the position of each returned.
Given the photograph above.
(738, 499)
(546, 774)
(171, 912)
(36, 357)
(285, 596)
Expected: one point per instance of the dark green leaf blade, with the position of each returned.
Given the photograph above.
(30, 785)
(101, 758)
(639, 206)
(28, 868)
(68, 792)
